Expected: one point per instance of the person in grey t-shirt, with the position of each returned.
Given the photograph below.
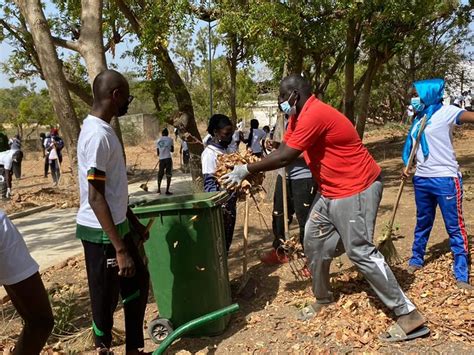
(164, 148)
(301, 190)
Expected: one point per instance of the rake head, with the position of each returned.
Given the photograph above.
(144, 187)
(388, 250)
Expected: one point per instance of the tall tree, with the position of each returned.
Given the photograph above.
(53, 74)
(142, 18)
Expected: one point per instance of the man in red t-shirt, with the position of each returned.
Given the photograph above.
(343, 214)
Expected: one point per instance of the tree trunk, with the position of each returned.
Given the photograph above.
(294, 59)
(177, 86)
(365, 98)
(91, 47)
(349, 98)
(185, 106)
(232, 64)
(53, 74)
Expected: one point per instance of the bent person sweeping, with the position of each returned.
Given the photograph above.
(343, 213)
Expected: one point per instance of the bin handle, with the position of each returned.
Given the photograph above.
(195, 323)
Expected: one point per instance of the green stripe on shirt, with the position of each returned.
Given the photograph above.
(97, 235)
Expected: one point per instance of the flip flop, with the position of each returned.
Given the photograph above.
(306, 313)
(310, 311)
(395, 333)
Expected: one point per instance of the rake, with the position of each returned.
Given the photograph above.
(386, 246)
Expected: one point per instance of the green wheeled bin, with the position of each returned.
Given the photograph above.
(187, 261)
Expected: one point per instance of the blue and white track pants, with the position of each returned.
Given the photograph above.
(447, 192)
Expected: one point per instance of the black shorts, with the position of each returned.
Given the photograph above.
(166, 167)
(186, 156)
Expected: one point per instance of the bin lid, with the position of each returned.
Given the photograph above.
(191, 201)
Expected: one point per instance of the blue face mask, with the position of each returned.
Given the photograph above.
(287, 108)
(418, 106)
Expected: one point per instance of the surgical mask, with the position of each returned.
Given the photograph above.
(287, 108)
(225, 142)
(418, 106)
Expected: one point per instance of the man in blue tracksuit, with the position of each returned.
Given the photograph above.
(437, 179)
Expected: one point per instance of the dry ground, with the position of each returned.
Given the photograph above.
(266, 323)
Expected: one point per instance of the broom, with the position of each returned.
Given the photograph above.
(386, 246)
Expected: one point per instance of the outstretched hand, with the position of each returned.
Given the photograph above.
(236, 176)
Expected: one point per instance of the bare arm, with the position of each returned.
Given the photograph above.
(279, 158)
(102, 211)
(467, 117)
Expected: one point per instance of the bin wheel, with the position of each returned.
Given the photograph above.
(159, 329)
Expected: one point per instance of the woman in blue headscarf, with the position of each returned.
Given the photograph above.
(437, 179)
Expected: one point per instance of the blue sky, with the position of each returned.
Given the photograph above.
(126, 64)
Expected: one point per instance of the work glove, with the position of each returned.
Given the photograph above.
(9, 192)
(235, 177)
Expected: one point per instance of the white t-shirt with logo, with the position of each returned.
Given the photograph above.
(99, 151)
(164, 145)
(258, 135)
(209, 158)
(6, 159)
(16, 263)
(441, 161)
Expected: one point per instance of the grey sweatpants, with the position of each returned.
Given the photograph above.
(347, 224)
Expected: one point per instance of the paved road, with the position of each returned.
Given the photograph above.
(50, 235)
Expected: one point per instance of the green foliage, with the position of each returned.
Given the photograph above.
(64, 310)
(9, 102)
(35, 109)
(131, 135)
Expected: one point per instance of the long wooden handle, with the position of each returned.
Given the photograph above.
(284, 187)
(246, 236)
(407, 170)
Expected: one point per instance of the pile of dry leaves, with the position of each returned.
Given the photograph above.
(226, 162)
(357, 318)
(61, 198)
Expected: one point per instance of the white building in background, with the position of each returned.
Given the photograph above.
(265, 111)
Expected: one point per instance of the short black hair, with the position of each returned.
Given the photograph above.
(254, 123)
(218, 121)
(165, 132)
(296, 82)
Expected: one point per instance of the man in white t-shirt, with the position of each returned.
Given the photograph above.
(437, 179)
(104, 220)
(164, 148)
(6, 173)
(20, 277)
(468, 100)
(254, 140)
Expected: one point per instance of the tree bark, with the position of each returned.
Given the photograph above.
(232, 65)
(53, 74)
(365, 97)
(177, 86)
(294, 59)
(91, 47)
(349, 97)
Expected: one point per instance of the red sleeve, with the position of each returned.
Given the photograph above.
(306, 131)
